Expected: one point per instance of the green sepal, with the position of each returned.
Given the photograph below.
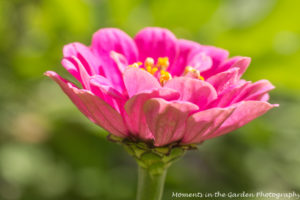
(154, 159)
(114, 138)
(175, 153)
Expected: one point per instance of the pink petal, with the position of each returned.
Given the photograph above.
(137, 81)
(166, 120)
(223, 80)
(226, 97)
(90, 62)
(134, 115)
(245, 112)
(84, 76)
(217, 55)
(93, 107)
(193, 90)
(241, 91)
(156, 42)
(80, 74)
(254, 91)
(100, 80)
(104, 115)
(264, 97)
(120, 60)
(203, 123)
(236, 62)
(200, 61)
(109, 39)
(100, 87)
(242, 64)
(181, 61)
(70, 65)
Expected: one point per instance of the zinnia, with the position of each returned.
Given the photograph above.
(159, 89)
(159, 96)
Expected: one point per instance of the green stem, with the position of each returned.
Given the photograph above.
(150, 186)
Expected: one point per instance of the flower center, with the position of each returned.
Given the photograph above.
(159, 69)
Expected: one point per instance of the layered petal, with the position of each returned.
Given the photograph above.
(242, 64)
(204, 123)
(224, 80)
(166, 120)
(120, 60)
(101, 87)
(70, 65)
(185, 47)
(134, 115)
(227, 97)
(90, 62)
(200, 62)
(97, 110)
(137, 81)
(245, 112)
(239, 62)
(217, 55)
(193, 90)
(110, 39)
(254, 91)
(83, 75)
(156, 42)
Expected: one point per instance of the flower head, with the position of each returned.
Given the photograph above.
(159, 89)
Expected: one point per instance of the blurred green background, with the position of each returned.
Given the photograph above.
(50, 151)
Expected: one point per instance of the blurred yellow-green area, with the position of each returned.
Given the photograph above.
(50, 151)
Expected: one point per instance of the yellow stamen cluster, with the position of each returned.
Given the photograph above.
(193, 71)
(149, 62)
(164, 77)
(161, 66)
(163, 63)
(149, 66)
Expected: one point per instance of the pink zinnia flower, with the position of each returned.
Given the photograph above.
(159, 89)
